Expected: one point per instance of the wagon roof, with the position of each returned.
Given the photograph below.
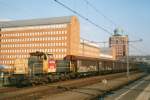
(74, 57)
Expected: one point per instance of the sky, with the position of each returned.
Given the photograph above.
(130, 15)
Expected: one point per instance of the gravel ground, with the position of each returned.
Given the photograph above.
(93, 91)
(38, 92)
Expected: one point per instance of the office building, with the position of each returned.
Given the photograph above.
(59, 36)
(119, 45)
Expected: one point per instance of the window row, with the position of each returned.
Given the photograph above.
(34, 39)
(34, 50)
(53, 26)
(34, 45)
(7, 62)
(34, 33)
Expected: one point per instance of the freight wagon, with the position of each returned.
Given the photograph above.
(94, 66)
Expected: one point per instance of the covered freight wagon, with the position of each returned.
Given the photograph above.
(63, 66)
(83, 65)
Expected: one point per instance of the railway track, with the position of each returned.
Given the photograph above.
(8, 89)
(38, 92)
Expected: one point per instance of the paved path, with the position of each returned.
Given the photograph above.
(139, 90)
(89, 92)
(145, 95)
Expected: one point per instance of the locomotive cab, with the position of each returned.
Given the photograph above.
(40, 63)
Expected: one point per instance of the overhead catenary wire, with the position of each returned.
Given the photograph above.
(132, 46)
(97, 10)
(100, 13)
(83, 17)
(137, 49)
